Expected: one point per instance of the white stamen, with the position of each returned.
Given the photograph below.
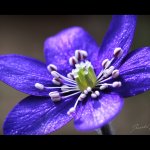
(70, 76)
(73, 60)
(85, 92)
(71, 85)
(118, 52)
(108, 71)
(105, 63)
(56, 99)
(97, 93)
(78, 66)
(65, 87)
(82, 96)
(71, 95)
(89, 89)
(111, 68)
(56, 81)
(93, 95)
(115, 73)
(116, 84)
(70, 90)
(100, 75)
(55, 74)
(75, 73)
(88, 64)
(78, 54)
(55, 96)
(103, 87)
(101, 80)
(71, 111)
(51, 68)
(84, 54)
(82, 65)
(39, 86)
(79, 99)
(66, 79)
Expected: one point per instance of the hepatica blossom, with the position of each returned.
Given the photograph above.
(80, 79)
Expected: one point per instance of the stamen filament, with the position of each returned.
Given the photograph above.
(101, 73)
(72, 85)
(102, 81)
(114, 84)
(107, 72)
(69, 91)
(71, 95)
(60, 87)
(67, 79)
(75, 105)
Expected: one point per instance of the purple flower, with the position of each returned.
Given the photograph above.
(79, 80)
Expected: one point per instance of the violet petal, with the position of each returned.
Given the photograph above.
(135, 73)
(120, 34)
(59, 48)
(22, 73)
(97, 112)
(37, 116)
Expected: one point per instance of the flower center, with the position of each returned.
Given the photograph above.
(82, 80)
(84, 75)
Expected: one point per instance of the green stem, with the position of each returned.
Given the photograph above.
(106, 130)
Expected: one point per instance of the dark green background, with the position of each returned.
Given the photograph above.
(25, 34)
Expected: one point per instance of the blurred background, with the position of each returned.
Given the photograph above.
(25, 34)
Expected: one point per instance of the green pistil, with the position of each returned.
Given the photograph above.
(86, 78)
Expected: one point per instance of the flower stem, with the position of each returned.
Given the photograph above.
(106, 130)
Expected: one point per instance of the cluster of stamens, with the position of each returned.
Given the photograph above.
(82, 80)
